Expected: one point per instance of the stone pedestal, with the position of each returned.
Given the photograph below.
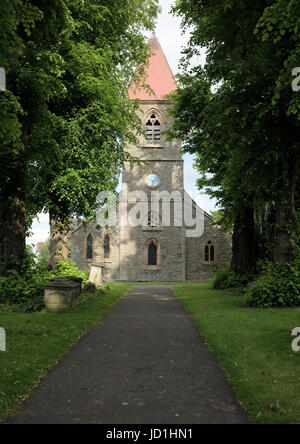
(96, 275)
(62, 294)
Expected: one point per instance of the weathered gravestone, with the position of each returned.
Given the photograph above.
(2, 340)
(62, 294)
(96, 275)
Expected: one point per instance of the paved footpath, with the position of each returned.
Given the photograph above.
(144, 364)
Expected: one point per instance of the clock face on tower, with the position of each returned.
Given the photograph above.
(152, 180)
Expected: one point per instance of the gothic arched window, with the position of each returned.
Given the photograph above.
(153, 129)
(89, 247)
(152, 254)
(107, 247)
(209, 254)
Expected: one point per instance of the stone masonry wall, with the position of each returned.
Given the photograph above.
(196, 267)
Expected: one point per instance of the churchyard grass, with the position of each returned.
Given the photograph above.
(253, 345)
(36, 341)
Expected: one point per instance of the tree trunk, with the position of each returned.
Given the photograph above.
(264, 229)
(59, 247)
(244, 242)
(285, 216)
(12, 223)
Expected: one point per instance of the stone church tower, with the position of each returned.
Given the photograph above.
(155, 250)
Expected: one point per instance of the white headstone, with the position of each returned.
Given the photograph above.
(2, 340)
(2, 80)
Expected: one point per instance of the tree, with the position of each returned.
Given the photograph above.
(280, 23)
(246, 140)
(70, 76)
(14, 15)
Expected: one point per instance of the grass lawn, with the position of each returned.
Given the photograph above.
(35, 342)
(254, 347)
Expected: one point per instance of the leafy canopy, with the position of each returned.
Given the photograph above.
(66, 117)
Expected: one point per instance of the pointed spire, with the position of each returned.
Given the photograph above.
(159, 75)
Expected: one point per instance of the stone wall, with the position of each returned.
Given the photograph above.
(133, 262)
(196, 267)
(180, 258)
(78, 241)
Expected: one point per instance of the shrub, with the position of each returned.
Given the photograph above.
(225, 278)
(278, 285)
(66, 267)
(22, 291)
(90, 288)
(23, 294)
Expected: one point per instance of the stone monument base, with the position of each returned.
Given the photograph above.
(62, 294)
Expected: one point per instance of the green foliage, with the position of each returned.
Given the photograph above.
(67, 267)
(66, 116)
(280, 23)
(83, 56)
(225, 278)
(22, 291)
(237, 113)
(90, 288)
(223, 220)
(278, 285)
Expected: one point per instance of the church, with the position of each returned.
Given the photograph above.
(155, 251)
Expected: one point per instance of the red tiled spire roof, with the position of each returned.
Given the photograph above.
(159, 76)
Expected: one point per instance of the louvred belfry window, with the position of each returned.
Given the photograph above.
(153, 129)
